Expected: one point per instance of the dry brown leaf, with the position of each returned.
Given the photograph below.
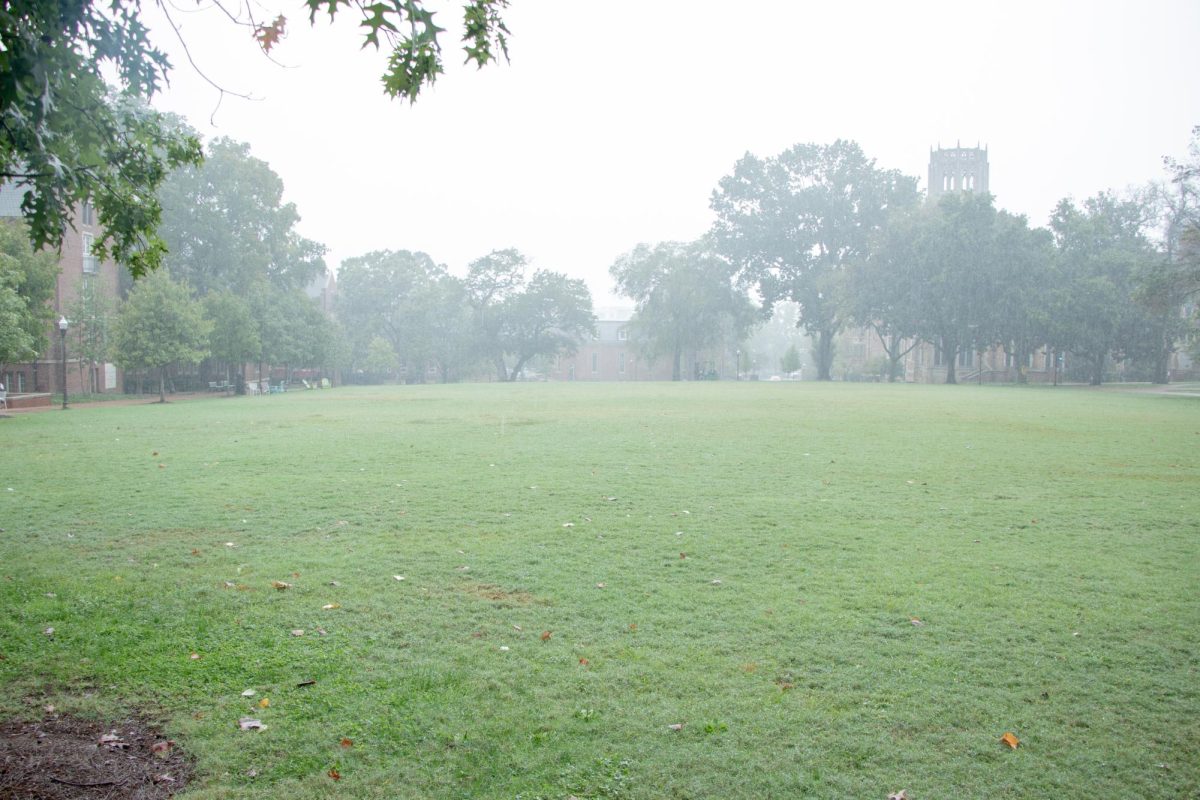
(1010, 739)
(194, 656)
(297, 631)
(678, 726)
(329, 606)
(264, 703)
(280, 585)
(161, 748)
(546, 636)
(903, 793)
(333, 773)
(347, 743)
(583, 662)
(918, 623)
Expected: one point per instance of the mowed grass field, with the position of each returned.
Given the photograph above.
(836, 590)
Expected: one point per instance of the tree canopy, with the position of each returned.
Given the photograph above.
(69, 137)
(27, 282)
(685, 296)
(160, 324)
(792, 222)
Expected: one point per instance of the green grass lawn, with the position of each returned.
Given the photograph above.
(837, 590)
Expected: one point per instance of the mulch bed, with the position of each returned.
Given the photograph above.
(63, 757)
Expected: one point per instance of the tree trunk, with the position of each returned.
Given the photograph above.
(825, 355)
(678, 357)
(892, 347)
(501, 369)
(162, 384)
(1162, 374)
(1098, 370)
(1021, 360)
(951, 356)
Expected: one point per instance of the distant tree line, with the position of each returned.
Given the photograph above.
(821, 226)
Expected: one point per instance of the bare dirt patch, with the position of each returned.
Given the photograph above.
(62, 758)
(500, 595)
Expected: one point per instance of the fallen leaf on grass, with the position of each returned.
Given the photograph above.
(568, 524)
(601, 585)
(916, 622)
(194, 656)
(321, 631)
(249, 693)
(195, 552)
(683, 555)
(113, 741)
(398, 577)
(583, 662)
(249, 724)
(280, 585)
(329, 606)
(297, 631)
(49, 632)
(1010, 739)
(546, 636)
(309, 682)
(333, 773)
(678, 726)
(517, 628)
(264, 703)
(161, 748)
(903, 793)
(347, 743)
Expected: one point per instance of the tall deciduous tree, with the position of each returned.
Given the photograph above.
(792, 222)
(548, 317)
(27, 281)
(159, 325)
(1101, 250)
(92, 315)
(228, 228)
(685, 299)
(516, 320)
(412, 302)
(235, 334)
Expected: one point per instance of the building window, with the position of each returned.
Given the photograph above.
(966, 358)
(88, 214)
(89, 259)
(621, 362)
(595, 362)
(622, 334)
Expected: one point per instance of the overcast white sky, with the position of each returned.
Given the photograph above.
(615, 120)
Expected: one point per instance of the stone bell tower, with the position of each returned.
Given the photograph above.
(957, 169)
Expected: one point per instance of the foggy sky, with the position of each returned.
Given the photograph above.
(614, 121)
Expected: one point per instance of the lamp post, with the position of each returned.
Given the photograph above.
(738, 365)
(63, 324)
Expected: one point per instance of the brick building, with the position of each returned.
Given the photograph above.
(77, 268)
